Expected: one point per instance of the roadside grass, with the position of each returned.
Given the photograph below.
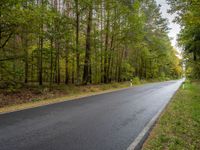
(178, 128)
(34, 96)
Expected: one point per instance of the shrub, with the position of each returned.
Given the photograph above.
(136, 81)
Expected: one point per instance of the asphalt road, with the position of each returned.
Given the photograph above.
(104, 122)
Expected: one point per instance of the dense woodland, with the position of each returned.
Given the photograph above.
(188, 16)
(86, 42)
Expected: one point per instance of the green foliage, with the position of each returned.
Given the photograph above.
(136, 81)
(162, 77)
(46, 41)
(189, 39)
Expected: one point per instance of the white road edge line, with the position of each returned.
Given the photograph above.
(141, 135)
(136, 144)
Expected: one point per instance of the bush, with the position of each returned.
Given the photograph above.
(136, 81)
(10, 86)
(162, 77)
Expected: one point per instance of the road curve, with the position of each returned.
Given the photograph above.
(104, 122)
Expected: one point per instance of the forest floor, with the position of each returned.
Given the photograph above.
(34, 95)
(179, 125)
(31, 95)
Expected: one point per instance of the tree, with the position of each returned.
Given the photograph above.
(89, 42)
(189, 38)
(87, 65)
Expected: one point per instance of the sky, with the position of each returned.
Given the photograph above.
(175, 28)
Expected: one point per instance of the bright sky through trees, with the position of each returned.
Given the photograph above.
(175, 28)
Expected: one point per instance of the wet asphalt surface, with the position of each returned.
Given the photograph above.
(104, 122)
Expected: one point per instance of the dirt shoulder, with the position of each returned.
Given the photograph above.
(34, 96)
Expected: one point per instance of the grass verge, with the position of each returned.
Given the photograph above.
(178, 128)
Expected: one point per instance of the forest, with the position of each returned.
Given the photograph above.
(99, 74)
(188, 16)
(80, 42)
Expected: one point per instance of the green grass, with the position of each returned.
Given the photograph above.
(179, 126)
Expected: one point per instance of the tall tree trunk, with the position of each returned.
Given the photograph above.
(106, 45)
(77, 42)
(87, 64)
(58, 61)
(25, 46)
(57, 42)
(40, 73)
(102, 69)
(40, 58)
(66, 65)
(109, 58)
(121, 56)
(51, 65)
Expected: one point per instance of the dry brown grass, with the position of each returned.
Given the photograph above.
(34, 97)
